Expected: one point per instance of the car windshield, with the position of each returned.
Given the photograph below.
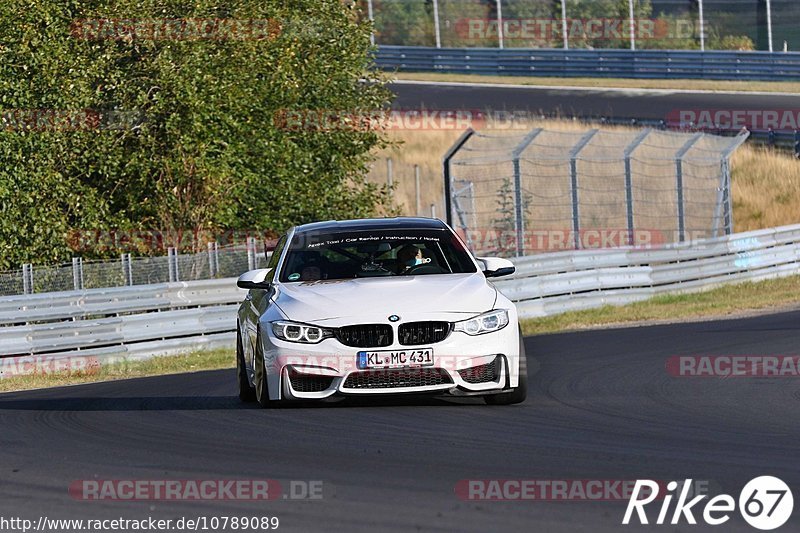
(316, 256)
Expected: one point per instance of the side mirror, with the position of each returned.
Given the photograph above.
(255, 279)
(495, 267)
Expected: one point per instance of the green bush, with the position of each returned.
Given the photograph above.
(201, 148)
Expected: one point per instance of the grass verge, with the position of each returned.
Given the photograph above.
(621, 83)
(157, 366)
(717, 303)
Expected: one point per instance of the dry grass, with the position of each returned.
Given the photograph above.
(689, 85)
(765, 182)
(766, 189)
(157, 366)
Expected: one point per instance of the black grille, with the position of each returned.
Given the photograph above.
(309, 383)
(481, 374)
(417, 333)
(392, 379)
(365, 335)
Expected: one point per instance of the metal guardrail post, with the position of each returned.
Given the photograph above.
(27, 278)
(629, 180)
(573, 167)
(519, 207)
(679, 184)
(447, 171)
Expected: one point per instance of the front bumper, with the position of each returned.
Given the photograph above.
(463, 366)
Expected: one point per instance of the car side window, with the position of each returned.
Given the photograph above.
(273, 260)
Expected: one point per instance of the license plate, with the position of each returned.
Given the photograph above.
(395, 358)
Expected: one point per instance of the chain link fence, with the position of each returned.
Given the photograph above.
(545, 190)
(592, 24)
(216, 262)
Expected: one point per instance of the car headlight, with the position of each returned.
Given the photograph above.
(303, 333)
(485, 323)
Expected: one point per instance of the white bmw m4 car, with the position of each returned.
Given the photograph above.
(376, 307)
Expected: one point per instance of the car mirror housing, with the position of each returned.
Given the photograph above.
(495, 267)
(254, 279)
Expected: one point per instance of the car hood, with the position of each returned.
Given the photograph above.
(374, 299)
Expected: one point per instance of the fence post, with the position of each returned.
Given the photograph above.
(27, 278)
(436, 27)
(251, 253)
(447, 172)
(725, 201)
(629, 180)
(77, 273)
(500, 32)
(416, 185)
(433, 210)
(797, 143)
(371, 16)
(573, 167)
(679, 184)
(216, 257)
(172, 261)
(212, 273)
(519, 203)
(128, 270)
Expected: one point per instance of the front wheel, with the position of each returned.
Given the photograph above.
(247, 393)
(519, 394)
(262, 387)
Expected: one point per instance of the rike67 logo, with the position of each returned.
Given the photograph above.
(765, 503)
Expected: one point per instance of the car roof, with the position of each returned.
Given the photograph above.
(373, 224)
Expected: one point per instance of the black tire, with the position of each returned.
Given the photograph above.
(520, 393)
(262, 387)
(247, 393)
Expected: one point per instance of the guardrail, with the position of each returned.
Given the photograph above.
(81, 329)
(575, 280)
(647, 64)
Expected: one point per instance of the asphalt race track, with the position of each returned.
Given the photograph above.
(601, 407)
(616, 103)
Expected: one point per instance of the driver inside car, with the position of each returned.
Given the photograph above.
(408, 257)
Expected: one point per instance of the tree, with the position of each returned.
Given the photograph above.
(203, 146)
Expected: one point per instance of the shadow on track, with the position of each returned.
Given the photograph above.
(189, 403)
